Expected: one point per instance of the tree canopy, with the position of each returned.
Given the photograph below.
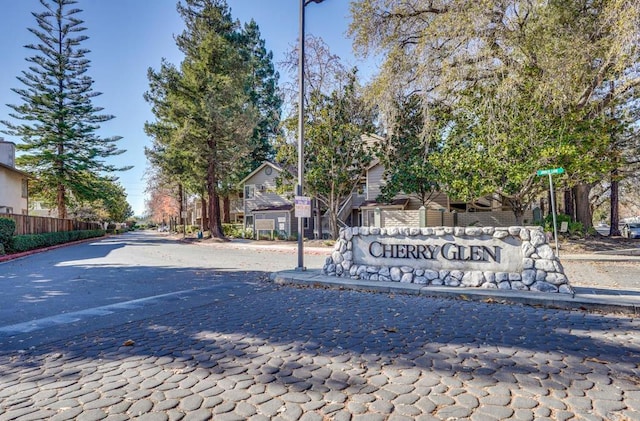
(60, 144)
(532, 78)
(218, 111)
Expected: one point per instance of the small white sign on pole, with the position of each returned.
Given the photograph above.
(302, 207)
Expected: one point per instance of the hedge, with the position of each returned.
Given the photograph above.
(7, 228)
(22, 243)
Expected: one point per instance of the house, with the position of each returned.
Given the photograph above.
(264, 210)
(14, 184)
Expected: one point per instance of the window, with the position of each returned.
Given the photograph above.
(249, 191)
(25, 188)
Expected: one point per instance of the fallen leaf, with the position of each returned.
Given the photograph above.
(128, 342)
(595, 360)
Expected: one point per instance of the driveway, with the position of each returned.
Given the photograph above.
(160, 330)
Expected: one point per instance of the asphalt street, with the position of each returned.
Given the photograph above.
(140, 326)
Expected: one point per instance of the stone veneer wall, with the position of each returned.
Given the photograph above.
(541, 269)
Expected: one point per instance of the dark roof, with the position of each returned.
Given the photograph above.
(16, 170)
(395, 203)
(288, 207)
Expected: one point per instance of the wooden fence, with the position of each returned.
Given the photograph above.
(434, 218)
(26, 224)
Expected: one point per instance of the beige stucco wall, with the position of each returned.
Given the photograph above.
(11, 191)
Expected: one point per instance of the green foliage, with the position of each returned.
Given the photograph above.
(405, 157)
(60, 123)
(532, 84)
(112, 204)
(22, 243)
(336, 156)
(205, 113)
(7, 228)
(574, 228)
(232, 230)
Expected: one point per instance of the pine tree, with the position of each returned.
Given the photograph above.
(204, 104)
(264, 94)
(59, 126)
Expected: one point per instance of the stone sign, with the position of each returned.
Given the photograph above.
(425, 252)
(507, 258)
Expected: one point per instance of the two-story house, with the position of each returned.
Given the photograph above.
(265, 211)
(14, 184)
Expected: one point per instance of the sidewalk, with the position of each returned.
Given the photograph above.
(592, 291)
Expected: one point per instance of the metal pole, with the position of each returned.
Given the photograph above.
(553, 212)
(301, 133)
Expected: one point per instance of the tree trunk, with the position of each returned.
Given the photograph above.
(614, 229)
(60, 201)
(569, 205)
(215, 224)
(226, 208)
(204, 223)
(518, 212)
(333, 219)
(181, 208)
(583, 208)
(318, 219)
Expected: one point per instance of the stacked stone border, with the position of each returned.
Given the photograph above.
(542, 270)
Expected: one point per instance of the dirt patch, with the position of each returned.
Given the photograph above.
(597, 243)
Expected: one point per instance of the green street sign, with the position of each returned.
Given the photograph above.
(551, 171)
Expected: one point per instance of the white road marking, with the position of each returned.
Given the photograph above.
(66, 318)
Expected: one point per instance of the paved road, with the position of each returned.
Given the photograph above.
(196, 332)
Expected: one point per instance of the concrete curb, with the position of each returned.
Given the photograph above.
(581, 300)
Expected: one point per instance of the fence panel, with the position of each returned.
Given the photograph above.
(26, 224)
(435, 218)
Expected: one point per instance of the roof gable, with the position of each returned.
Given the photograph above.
(257, 170)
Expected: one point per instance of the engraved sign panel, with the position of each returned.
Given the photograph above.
(483, 253)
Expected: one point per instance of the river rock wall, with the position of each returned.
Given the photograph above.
(516, 258)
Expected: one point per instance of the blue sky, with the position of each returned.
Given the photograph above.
(126, 37)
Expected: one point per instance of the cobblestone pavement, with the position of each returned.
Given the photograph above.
(311, 354)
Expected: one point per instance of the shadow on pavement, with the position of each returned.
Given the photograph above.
(292, 336)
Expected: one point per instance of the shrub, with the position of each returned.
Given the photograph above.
(232, 230)
(7, 228)
(22, 243)
(573, 227)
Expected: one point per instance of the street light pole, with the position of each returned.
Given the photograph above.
(299, 190)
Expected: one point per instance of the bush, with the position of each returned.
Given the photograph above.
(232, 230)
(573, 227)
(7, 228)
(22, 243)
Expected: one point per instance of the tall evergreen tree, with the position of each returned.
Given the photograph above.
(204, 104)
(60, 121)
(264, 94)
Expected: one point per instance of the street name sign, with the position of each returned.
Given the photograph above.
(551, 171)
